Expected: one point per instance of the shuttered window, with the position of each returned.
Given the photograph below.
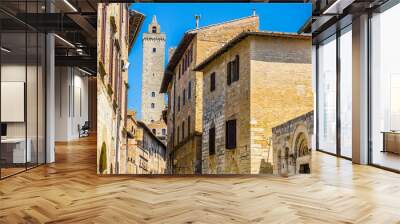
(183, 130)
(179, 103)
(212, 81)
(228, 73)
(177, 136)
(230, 134)
(236, 69)
(188, 120)
(103, 33)
(211, 141)
(184, 97)
(232, 70)
(189, 90)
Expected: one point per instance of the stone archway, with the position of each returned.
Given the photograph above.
(301, 149)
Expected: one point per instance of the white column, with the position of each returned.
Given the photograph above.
(360, 90)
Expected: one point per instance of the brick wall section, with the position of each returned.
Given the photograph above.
(226, 103)
(274, 86)
(110, 122)
(283, 139)
(207, 41)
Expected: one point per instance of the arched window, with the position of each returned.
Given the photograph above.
(152, 105)
(153, 94)
(154, 29)
(154, 49)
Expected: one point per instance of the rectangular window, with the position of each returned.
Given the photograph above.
(184, 97)
(228, 73)
(180, 70)
(212, 82)
(230, 134)
(211, 141)
(177, 136)
(103, 33)
(190, 90)
(236, 69)
(183, 130)
(111, 60)
(179, 103)
(188, 120)
(327, 95)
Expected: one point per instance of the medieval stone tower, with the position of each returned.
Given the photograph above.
(152, 73)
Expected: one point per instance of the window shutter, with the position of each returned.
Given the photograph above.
(183, 130)
(211, 141)
(230, 134)
(190, 90)
(184, 97)
(177, 136)
(228, 73)
(188, 120)
(237, 68)
(179, 103)
(212, 82)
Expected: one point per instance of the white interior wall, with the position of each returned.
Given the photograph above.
(71, 102)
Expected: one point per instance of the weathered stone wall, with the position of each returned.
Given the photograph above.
(112, 88)
(281, 89)
(207, 41)
(292, 145)
(159, 126)
(146, 155)
(152, 72)
(184, 156)
(226, 103)
(274, 86)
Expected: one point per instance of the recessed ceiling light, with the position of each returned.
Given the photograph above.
(5, 50)
(70, 5)
(64, 40)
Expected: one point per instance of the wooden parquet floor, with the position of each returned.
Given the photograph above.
(69, 191)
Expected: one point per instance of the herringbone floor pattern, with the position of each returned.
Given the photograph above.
(69, 191)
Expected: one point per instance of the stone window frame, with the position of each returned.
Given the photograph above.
(188, 121)
(153, 94)
(152, 105)
(154, 50)
(183, 129)
(233, 70)
(212, 82)
(211, 141)
(189, 90)
(184, 97)
(153, 29)
(179, 103)
(231, 134)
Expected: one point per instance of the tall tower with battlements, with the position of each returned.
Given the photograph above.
(152, 73)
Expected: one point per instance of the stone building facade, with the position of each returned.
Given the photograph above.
(146, 153)
(117, 30)
(255, 82)
(292, 143)
(184, 87)
(159, 129)
(152, 72)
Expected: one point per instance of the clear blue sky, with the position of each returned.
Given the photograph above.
(176, 18)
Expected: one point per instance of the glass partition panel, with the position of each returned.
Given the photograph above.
(13, 94)
(346, 92)
(31, 98)
(385, 89)
(327, 95)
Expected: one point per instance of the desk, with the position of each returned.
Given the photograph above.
(391, 141)
(15, 148)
